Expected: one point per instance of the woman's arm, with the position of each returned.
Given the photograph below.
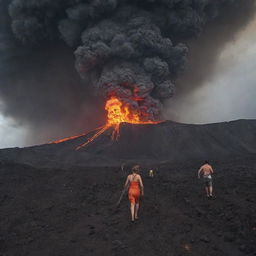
(141, 186)
(127, 182)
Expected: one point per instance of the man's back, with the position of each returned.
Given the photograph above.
(206, 169)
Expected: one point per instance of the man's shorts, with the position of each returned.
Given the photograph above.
(208, 181)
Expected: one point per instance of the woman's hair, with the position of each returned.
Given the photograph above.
(136, 168)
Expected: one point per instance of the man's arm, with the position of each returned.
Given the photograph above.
(211, 170)
(199, 171)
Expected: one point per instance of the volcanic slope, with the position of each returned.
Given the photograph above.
(61, 212)
(151, 143)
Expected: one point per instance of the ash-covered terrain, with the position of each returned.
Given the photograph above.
(158, 143)
(73, 211)
(57, 201)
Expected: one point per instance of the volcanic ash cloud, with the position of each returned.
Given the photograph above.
(131, 49)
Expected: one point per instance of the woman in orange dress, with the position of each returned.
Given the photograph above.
(136, 189)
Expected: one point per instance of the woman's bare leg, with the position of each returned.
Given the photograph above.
(136, 210)
(132, 211)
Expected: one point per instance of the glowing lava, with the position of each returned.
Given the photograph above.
(118, 113)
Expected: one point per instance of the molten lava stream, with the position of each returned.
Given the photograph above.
(65, 139)
(72, 137)
(117, 113)
(97, 134)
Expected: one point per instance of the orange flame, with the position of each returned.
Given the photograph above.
(118, 113)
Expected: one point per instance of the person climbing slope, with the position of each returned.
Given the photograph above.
(207, 171)
(135, 190)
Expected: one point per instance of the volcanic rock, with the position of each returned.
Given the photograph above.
(28, 227)
(71, 210)
(205, 239)
(151, 143)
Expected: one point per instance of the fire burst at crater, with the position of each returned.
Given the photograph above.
(117, 113)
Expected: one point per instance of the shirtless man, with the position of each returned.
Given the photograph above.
(207, 171)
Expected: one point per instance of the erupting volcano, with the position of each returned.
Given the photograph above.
(117, 113)
(86, 51)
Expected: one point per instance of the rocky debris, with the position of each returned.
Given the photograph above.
(45, 218)
(205, 239)
(200, 212)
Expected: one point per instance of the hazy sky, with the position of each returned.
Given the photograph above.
(11, 133)
(231, 91)
(229, 94)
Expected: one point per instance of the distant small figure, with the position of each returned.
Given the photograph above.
(207, 171)
(151, 173)
(136, 189)
(123, 167)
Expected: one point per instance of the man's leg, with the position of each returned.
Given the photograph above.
(136, 210)
(210, 190)
(207, 190)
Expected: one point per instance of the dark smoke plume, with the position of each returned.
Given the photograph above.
(204, 51)
(133, 49)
